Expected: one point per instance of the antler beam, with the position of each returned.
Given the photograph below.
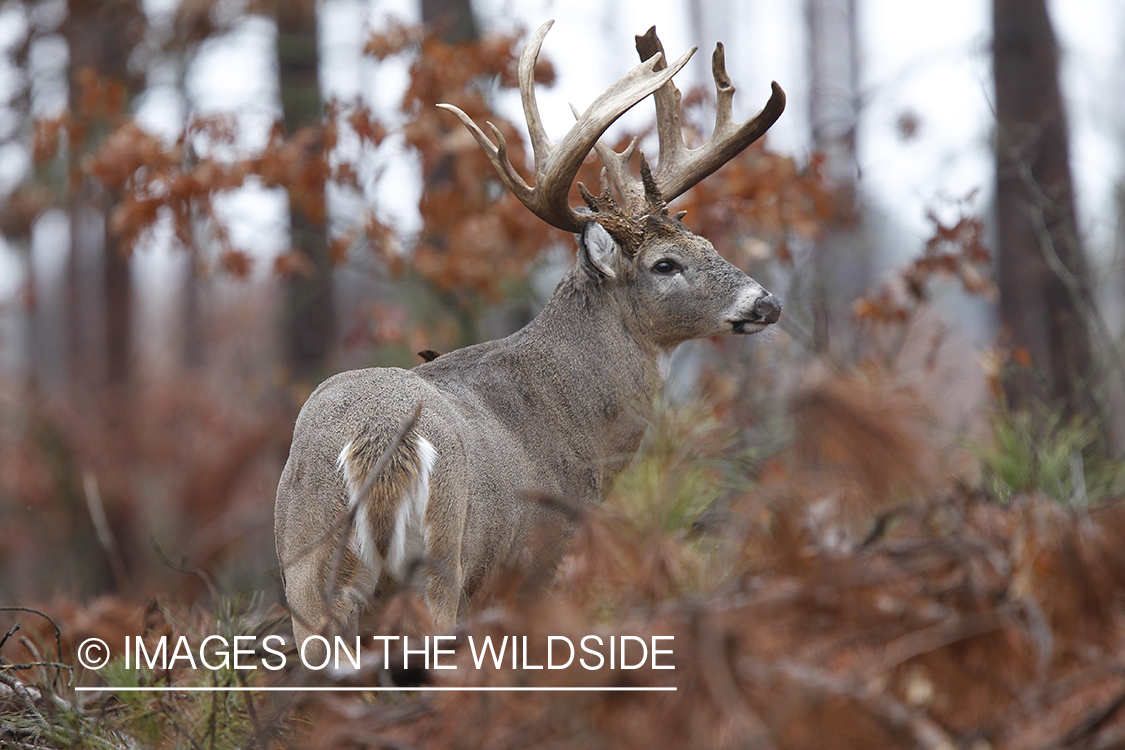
(680, 167)
(556, 164)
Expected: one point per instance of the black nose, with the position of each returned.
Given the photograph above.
(767, 308)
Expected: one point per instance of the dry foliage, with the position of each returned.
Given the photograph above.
(855, 595)
(830, 574)
(475, 234)
(949, 621)
(178, 462)
(954, 251)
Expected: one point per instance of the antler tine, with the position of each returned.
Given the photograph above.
(540, 143)
(497, 154)
(669, 131)
(615, 169)
(628, 187)
(680, 167)
(556, 164)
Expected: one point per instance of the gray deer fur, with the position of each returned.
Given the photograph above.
(558, 407)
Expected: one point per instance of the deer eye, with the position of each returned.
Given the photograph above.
(666, 267)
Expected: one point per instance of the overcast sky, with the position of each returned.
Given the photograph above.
(928, 58)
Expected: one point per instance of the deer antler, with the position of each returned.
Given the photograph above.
(680, 167)
(556, 164)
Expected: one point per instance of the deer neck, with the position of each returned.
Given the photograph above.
(603, 374)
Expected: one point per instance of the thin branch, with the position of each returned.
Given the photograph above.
(9, 635)
(344, 518)
(35, 664)
(721, 682)
(1092, 722)
(183, 567)
(927, 732)
(20, 691)
(919, 642)
(183, 732)
(104, 532)
(252, 712)
(55, 625)
(1074, 287)
(212, 719)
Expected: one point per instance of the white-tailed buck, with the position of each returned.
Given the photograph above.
(558, 407)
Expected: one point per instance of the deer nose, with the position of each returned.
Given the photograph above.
(767, 308)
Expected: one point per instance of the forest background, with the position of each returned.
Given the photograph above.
(893, 521)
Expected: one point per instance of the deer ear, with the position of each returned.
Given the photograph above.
(597, 252)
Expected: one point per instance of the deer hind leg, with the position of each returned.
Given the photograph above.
(307, 594)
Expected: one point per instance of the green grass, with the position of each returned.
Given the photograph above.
(1036, 451)
(60, 717)
(681, 470)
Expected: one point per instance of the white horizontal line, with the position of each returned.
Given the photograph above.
(333, 688)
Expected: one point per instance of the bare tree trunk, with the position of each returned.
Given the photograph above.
(310, 322)
(100, 36)
(1045, 299)
(838, 262)
(17, 208)
(179, 40)
(834, 96)
(452, 20)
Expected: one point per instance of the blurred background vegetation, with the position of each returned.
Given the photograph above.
(909, 487)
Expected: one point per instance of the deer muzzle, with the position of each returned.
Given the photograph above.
(764, 310)
(767, 309)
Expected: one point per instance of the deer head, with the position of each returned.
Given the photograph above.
(680, 287)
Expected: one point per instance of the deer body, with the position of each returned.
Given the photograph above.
(558, 407)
